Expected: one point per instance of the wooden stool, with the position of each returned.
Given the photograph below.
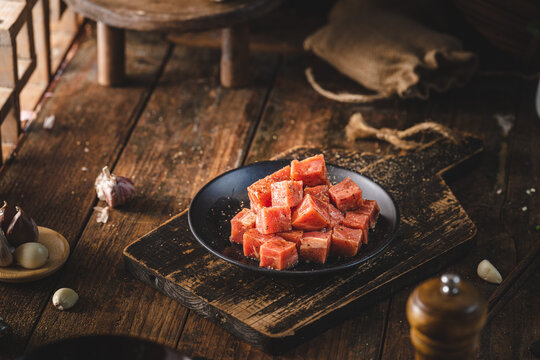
(113, 16)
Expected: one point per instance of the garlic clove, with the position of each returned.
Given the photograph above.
(31, 255)
(22, 229)
(65, 299)
(115, 190)
(7, 213)
(488, 272)
(6, 257)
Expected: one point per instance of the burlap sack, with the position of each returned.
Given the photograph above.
(388, 53)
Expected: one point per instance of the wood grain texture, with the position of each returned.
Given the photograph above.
(276, 314)
(183, 15)
(46, 176)
(196, 129)
(476, 187)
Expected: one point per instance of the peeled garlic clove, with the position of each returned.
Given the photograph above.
(115, 190)
(6, 257)
(7, 213)
(31, 255)
(22, 229)
(488, 272)
(65, 299)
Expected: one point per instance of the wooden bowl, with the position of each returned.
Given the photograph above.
(58, 253)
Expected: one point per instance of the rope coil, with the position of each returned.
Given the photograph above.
(358, 129)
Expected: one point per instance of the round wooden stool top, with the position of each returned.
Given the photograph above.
(179, 15)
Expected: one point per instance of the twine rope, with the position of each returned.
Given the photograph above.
(357, 128)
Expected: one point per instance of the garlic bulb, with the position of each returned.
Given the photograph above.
(488, 272)
(6, 257)
(115, 190)
(18, 227)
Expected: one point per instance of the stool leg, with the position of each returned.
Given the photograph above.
(235, 56)
(111, 55)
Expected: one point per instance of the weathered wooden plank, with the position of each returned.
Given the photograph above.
(191, 130)
(519, 319)
(46, 177)
(495, 241)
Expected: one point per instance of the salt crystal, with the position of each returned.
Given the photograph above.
(86, 149)
(84, 168)
(499, 191)
(524, 208)
(48, 123)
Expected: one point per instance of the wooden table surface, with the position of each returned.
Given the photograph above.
(173, 128)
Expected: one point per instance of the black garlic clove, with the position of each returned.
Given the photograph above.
(22, 229)
(5, 330)
(6, 257)
(7, 213)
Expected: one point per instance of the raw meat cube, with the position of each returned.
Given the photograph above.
(357, 220)
(260, 192)
(259, 195)
(280, 175)
(253, 241)
(336, 216)
(312, 171)
(287, 193)
(278, 254)
(346, 241)
(293, 236)
(242, 222)
(311, 214)
(315, 246)
(273, 219)
(320, 192)
(370, 208)
(346, 195)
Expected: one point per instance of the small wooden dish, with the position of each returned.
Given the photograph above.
(58, 253)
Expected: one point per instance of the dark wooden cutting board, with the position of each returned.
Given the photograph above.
(277, 313)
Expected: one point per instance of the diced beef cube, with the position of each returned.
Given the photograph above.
(273, 219)
(280, 175)
(357, 220)
(242, 222)
(315, 246)
(336, 216)
(293, 236)
(371, 209)
(311, 214)
(253, 241)
(287, 193)
(346, 195)
(346, 241)
(259, 195)
(320, 192)
(278, 254)
(260, 192)
(312, 171)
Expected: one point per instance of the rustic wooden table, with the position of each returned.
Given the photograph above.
(173, 128)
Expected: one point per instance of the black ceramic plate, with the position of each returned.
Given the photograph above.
(222, 198)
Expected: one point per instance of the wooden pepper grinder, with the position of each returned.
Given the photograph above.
(446, 317)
